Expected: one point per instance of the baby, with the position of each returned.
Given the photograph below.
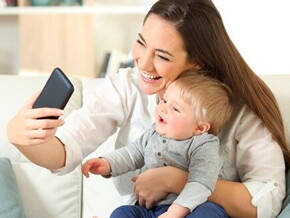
(187, 119)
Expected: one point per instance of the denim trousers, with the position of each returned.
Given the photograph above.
(205, 210)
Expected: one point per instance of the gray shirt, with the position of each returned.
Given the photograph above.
(198, 155)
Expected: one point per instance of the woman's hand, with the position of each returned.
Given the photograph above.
(155, 184)
(26, 129)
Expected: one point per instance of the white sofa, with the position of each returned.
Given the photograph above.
(48, 196)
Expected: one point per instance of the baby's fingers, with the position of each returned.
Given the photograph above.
(85, 170)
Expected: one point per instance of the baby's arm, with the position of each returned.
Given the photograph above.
(99, 166)
(175, 211)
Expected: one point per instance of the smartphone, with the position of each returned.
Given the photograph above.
(56, 92)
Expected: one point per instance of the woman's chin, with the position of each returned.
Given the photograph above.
(150, 88)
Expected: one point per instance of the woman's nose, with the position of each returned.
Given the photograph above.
(145, 62)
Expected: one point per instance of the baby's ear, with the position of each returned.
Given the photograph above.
(201, 128)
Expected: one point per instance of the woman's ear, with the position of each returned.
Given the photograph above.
(195, 66)
(201, 128)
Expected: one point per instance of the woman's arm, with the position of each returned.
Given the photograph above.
(50, 155)
(152, 185)
(234, 198)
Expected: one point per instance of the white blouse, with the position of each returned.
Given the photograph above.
(249, 152)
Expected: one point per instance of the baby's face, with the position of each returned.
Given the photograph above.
(174, 117)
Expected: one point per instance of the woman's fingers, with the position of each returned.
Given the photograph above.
(39, 112)
(46, 124)
(141, 202)
(43, 112)
(31, 100)
(149, 204)
(41, 133)
(27, 129)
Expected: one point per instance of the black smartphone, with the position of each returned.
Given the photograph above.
(56, 92)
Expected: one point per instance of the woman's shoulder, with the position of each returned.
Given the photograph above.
(240, 112)
(243, 122)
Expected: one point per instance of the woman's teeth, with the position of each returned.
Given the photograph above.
(149, 77)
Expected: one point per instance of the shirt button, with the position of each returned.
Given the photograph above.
(276, 184)
(164, 141)
(159, 153)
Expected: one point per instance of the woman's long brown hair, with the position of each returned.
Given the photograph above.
(208, 44)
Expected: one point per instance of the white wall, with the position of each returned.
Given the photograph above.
(261, 31)
(9, 56)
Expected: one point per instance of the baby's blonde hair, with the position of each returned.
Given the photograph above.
(211, 99)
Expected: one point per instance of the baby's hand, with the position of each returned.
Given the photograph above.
(98, 166)
(167, 215)
(175, 211)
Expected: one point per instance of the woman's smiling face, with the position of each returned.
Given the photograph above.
(159, 54)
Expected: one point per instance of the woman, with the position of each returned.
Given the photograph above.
(176, 36)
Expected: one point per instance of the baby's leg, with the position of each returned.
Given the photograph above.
(130, 211)
(208, 210)
(136, 211)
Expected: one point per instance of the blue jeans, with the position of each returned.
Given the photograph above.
(205, 210)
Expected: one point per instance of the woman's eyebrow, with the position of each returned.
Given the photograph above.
(158, 49)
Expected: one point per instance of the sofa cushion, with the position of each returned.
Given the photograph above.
(10, 199)
(285, 213)
(46, 195)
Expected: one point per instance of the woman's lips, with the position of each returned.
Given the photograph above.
(149, 78)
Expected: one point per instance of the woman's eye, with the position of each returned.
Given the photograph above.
(139, 42)
(163, 58)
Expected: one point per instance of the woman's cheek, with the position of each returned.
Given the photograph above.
(135, 51)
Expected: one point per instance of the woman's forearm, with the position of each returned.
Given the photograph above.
(234, 198)
(50, 155)
(174, 185)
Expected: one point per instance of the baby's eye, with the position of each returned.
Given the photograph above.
(164, 101)
(175, 109)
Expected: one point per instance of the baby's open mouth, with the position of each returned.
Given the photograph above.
(161, 120)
